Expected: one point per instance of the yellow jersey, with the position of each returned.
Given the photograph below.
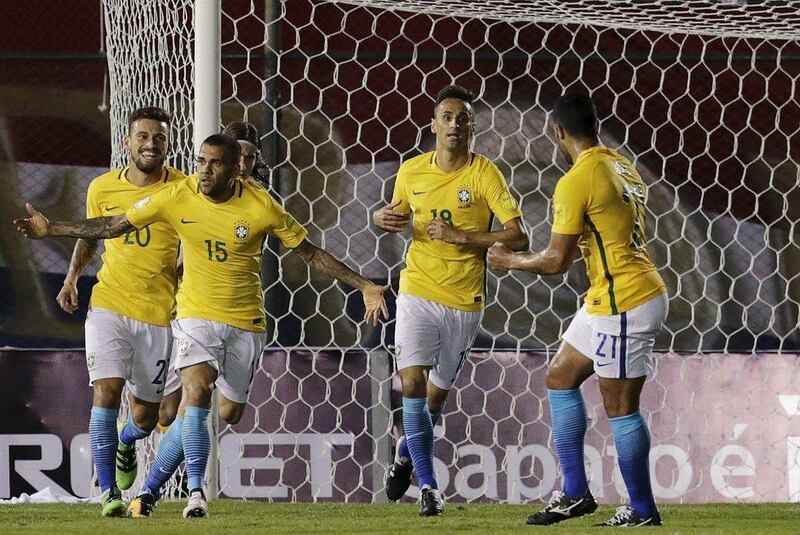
(222, 246)
(603, 198)
(468, 199)
(138, 278)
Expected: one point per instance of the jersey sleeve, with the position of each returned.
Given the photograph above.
(93, 202)
(281, 224)
(150, 209)
(502, 204)
(399, 193)
(570, 203)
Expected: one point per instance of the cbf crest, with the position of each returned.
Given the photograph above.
(464, 196)
(241, 230)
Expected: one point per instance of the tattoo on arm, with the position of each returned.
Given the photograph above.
(96, 228)
(81, 256)
(322, 261)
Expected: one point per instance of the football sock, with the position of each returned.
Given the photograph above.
(418, 429)
(568, 416)
(131, 433)
(103, 440)
(402, 446)
(168, 459)
(196, 445)
(633, 451)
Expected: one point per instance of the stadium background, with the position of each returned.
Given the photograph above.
(712, 122)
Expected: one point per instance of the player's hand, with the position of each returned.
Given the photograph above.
(389, 219)
(68, 297)
(35, 227)
(439, 229)
(500, 257)
(374, 304)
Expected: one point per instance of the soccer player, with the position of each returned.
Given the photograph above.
(599, 207)
(223, 222)
(251, 165)
(170, 453)
(127, 326)
(452, 195)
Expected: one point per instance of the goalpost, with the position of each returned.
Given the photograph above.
(701, 95)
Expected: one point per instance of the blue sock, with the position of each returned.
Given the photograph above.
(168, 459)
(402, 446)
(103, 439)
(418, 428)
(633, 451)
(196, 445)
(568, 415)
(131, 433)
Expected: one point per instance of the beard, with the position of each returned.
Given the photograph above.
(148, 166)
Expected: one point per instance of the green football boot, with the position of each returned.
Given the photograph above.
(113, 504)
(126, 462)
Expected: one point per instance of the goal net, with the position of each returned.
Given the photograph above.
(701, 95)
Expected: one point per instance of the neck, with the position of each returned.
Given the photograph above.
(451, 160)
(141, 179)
(223, 195)
(577, 145)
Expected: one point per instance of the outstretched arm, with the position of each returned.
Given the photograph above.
(81, 256)
(324, 262)
(37, 226)
(512, 234)
(555, 259)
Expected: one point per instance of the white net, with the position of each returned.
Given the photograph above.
(700, 95)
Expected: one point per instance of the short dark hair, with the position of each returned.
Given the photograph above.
(454, 91)
(232, 148)
(243, 131)
(575, 113)
(152, 112)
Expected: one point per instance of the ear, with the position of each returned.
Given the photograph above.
(433, 124)
(559, 132)
(126, 141)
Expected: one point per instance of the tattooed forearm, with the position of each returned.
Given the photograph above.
(81, 256)
(97, 228)
(324, 262)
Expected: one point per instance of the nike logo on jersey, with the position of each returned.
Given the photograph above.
(419, 192)
(110, 208)
(186, 221)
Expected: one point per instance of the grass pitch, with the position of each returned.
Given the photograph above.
(228, 516)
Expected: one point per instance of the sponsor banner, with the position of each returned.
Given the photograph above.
(306, 434)
(725, 428)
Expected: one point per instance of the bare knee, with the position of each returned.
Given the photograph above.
(231, 412)
(198, 394)
(436, 398)
(168, 409)
(569, 369)
(198, 384)
(621, 396)
(107, 393)
(144, 415)
(414, 382)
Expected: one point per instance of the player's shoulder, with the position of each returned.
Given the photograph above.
(173, 175)
(251, 189)
(108, 178)
(481, 164)
(417, 162)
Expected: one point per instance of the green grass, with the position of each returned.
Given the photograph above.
(228, 516)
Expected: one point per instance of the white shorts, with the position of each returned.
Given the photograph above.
(621, 345)
(118, 346)
(235, 353)
(431, 334)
